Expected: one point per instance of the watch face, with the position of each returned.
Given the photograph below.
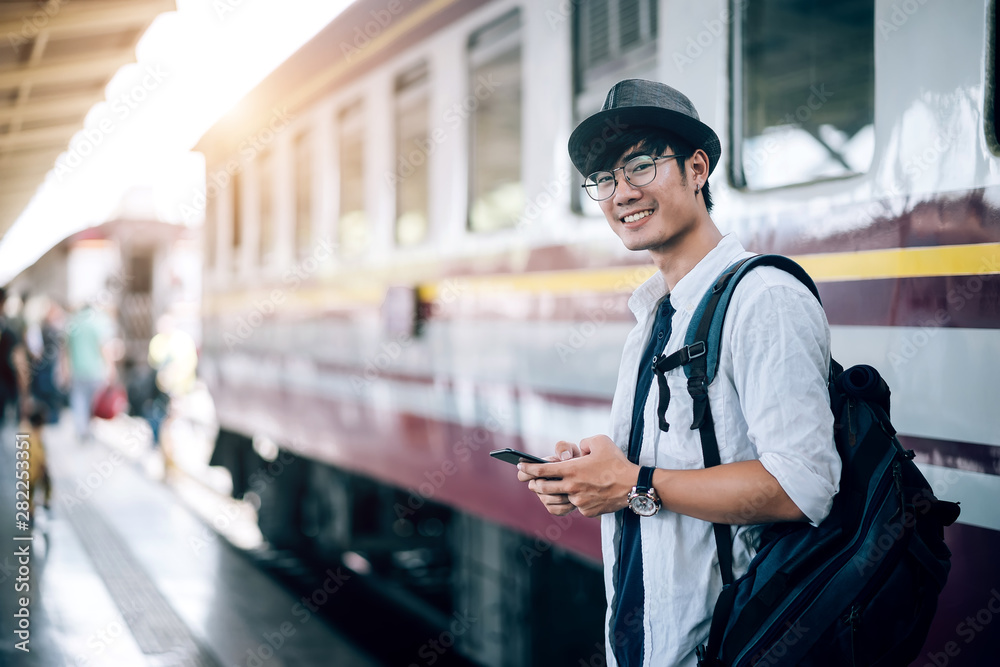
(643, 505)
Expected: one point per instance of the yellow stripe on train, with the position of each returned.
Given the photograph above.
(958, 260)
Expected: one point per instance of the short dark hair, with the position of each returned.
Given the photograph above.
(653, 139)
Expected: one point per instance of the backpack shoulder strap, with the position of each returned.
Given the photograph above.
(704, 338)
(709, 317)
(704, 335)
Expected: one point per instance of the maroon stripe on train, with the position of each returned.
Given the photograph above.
(971, 302)
(435, 460)
(952, 454)
(893, 222)
(944, 301)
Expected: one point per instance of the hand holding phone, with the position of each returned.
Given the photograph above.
(514, 456)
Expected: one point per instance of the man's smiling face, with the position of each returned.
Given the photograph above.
(655, 215)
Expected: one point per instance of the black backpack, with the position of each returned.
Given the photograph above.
(862, 587)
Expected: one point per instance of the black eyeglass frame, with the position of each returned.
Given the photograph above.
(592, 182)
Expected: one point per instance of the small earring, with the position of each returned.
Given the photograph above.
(697, 188)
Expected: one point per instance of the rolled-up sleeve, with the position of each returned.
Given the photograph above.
(781, 351)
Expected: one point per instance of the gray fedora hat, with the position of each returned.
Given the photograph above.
(635, 103)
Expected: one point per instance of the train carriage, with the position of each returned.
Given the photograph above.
(402, 273)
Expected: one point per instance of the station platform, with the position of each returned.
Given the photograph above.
(121, 572)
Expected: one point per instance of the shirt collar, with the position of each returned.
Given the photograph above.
(692, 287)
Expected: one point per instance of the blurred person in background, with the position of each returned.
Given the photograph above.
(39, 480)
(89, 343)
(49, 374)
(12, 380)
(173, 357)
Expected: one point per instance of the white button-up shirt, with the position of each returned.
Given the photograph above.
(769, 401)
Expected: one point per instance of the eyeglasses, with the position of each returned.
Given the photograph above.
(639, 171)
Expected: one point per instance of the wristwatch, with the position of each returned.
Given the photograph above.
(642, 498)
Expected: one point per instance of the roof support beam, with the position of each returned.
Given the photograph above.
(64, 17)
(59, 107)
(69, 70)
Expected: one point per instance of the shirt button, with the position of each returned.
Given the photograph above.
(659, 334)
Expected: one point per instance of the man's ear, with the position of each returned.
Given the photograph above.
(699, 166)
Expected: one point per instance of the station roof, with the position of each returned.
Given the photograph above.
(56, 58)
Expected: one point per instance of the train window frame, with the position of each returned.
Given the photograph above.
(488, 43)
(350, 121)
(991, 128)
(267, 201)
(209, 234)
(737, 174)
(591, 84)
(238, 221)
(304, 230)
(411, 88)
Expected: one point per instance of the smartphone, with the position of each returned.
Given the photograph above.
(513, 456)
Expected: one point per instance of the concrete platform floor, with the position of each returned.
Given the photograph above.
(121, 573)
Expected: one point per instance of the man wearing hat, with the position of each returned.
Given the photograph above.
(647, 158)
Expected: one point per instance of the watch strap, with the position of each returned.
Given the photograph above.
(645, 481)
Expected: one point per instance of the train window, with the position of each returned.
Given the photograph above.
(266, 202)
(612, 40)
(303, 193)
(496, 193)
(992, 65)
(238, 220)
(612, 36)
(804, 91)
(352, 227)
(412, 152)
